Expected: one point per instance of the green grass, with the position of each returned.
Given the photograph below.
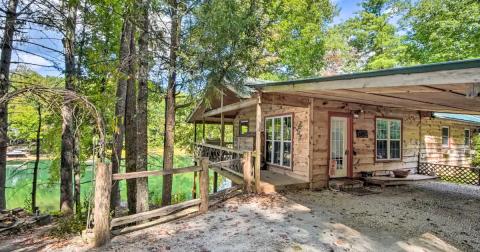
(19, 184)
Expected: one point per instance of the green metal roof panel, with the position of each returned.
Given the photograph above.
(451, 65)
(458, 117)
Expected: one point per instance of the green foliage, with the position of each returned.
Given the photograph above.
(476, 145)
(295, 37)
(443, 30)
(374, 37)
(69, 225)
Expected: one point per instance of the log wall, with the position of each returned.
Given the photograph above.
(421, 136)
(457, 153)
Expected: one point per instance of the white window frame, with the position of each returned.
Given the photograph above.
(388, 120)
(469, 142)
(281, 140)
(448, 137)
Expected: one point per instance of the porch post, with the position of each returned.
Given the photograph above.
(247, 171)
(258, 142)
(222, 142)
(194, 184)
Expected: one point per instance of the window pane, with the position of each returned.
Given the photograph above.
(268, 155)
(287, 153)
(269, 129)
(243, 127)
(382, 129)
(277, 124)
(395, 130)
(276, 152)
(445, 136)
(287, 128)
(395, 149)
(382, 149)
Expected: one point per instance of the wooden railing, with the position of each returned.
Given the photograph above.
(451, 173)
(237, 162)
(171, 212)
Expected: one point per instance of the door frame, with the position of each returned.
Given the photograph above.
(349, 140)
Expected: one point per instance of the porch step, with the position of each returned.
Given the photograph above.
(345, 184)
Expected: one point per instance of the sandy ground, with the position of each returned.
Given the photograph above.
(432, 216)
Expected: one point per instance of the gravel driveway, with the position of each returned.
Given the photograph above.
(432, 216)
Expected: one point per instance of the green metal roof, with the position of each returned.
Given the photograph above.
(451, 65)
(458, 117)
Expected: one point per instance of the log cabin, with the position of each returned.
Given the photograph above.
(309, 132)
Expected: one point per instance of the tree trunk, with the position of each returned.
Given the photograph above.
(142, 120)
(68, 128)
(76, 173)
(168, 145)
(120, 108)
(5, 59)
(37, 160)
(131, 127)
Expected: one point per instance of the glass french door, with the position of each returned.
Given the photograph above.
(339, 146)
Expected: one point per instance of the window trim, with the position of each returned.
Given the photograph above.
(448, 137)
(265, 118)
(240, 127)
(377, 160)
(469, 137)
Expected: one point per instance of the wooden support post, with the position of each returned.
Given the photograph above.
(204, 185)
(247, 171)
(194, 185)
(258, 142)
(222, 142)
(101, 213)
(310, 142)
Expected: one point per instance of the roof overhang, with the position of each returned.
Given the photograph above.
(211, 111)
(447, 87)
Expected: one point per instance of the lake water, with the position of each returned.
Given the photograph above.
(20, 173)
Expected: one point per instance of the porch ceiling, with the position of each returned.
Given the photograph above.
(449, 87)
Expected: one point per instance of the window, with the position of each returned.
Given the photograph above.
(388, 139)
(278, 140)
(445, 136)
(467, 137)
(243, 127)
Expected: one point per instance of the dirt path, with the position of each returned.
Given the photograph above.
(429, 217)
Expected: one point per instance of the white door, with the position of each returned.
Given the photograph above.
(338, 146)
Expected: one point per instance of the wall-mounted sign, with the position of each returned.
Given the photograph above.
(362, 133)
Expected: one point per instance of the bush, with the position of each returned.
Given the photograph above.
(476, 147)
(68, 225)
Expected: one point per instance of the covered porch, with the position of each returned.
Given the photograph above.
(234, 156)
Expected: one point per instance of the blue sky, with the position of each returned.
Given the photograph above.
(347, 9)
(42, 56)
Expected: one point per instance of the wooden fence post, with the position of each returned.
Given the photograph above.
(204, 181)
(247, 171)
(101, 213)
